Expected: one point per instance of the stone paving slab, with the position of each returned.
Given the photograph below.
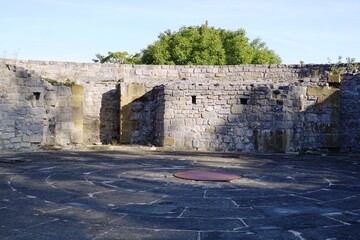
(132, 194)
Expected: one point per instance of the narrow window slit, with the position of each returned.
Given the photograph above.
(193, 99)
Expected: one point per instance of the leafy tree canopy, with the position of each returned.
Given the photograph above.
(199, 45)
(118, 57)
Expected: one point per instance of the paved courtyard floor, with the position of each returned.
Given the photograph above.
(132, 194)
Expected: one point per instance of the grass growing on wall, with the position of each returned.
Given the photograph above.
(67, 83)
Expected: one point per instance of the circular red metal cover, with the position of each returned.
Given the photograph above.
(206, 175)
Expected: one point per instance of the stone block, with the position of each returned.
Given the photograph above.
(25, 138)
(334, 78)
(50, 95)
(195, 143)
(64, 126)
(177, 122)
(311, 117)
(329, 101)
(210, 130)
(201, 121)
(208, 115)
(168, 141)
(77, 89)
(76, 136)
(177, 93)
(183, 87)
(63, 118)
(36, 128)
(126, 129)
(63, 91)
(232, 118)
(76, 101)
(236, 109)
(190, 122)
(135, 90)
(36, 138)
(4, 108)
(265, 117)
(15, 140)
(77, 115)
(221, 130)
(36, 89)
(224, 111)
(50, 102)
(239, 131)
(321, 91)
(209, 109)
(171, 128)
(22, 111)
(169, 116)
(176, 135)
(36, 111)
(21, 72)
(63, 138)
(62, 102)
(173, 73)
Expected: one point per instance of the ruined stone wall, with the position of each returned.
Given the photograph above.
(101, 93)
(34, 112)
(266, 117)
(349, 127)
(246, 108)
(146, 114)
(296, 110)
(21, 109)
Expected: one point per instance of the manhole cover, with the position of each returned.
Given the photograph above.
(206, 175)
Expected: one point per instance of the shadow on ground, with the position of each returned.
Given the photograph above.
(132, 194)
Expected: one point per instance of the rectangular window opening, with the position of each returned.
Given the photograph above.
(36, 95)
(193, 99)
(244, 101)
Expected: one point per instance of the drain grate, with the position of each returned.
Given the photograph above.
(206, 175)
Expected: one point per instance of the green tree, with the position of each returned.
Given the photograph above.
(200, 45)
(158, 53)
(237, 47)
(190, 46)
(261, 53)
(119, 57)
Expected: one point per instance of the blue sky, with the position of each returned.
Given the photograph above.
(75, 30)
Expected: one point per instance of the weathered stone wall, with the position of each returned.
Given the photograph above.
(349, 127)
(21, 109)
(34, 112)
(146, 117)
(298, 109)
(101, 95)
(257, 117)
(277, 108)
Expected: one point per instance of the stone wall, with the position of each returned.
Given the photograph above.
(271, 108)
(146, 116)
(267, 117)
(34, 112)
(349, 127)
(101, 94)
(21, 109)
